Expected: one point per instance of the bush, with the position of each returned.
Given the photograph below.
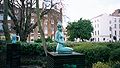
(116, 66)
(35, 48)
(93, 53)
(113, 45)
(100, 65)
(2, 48)
(115, 55)
(38, 41)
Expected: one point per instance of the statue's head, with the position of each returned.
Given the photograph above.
(59, 26)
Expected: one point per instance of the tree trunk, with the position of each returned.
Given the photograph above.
(5, 23)
(40, 27)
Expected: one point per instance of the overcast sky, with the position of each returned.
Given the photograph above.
(87, 9)
(75, 9)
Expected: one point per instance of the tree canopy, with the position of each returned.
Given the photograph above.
(81, 29)
(20, 11)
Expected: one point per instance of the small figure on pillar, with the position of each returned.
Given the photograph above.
(59, 38)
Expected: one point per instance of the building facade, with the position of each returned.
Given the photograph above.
(49, 25)
(106, 27)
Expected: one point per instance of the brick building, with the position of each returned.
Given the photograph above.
(49, 24)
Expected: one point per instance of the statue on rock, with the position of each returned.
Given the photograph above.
(59, 38)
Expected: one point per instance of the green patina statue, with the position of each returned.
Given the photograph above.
(59, 38)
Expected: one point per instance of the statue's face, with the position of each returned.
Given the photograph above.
(60, 28)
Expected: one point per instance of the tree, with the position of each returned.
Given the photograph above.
(81, 29)
(22, 21)
(22, 24)
(40, 14)
(5, 21)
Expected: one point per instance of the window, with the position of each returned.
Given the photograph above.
(114, 19)
(95, 32)
(95, 25)
(115, 32)
(109, 22)
(98, 32)
(119, 26)
(119, 20)
(110, 28)
(98, 39)
(115, 26)
(103, 39)
(110, 35)
(32, 40)
(98, 20)
(95, 39)
(119, 33)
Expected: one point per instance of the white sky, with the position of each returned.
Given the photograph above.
(87, 9)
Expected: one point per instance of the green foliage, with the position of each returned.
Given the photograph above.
(117, 65)
(80, 29)
(49, 40)
(100, 65)
(2, 48)
(114, 45)
(38, 41)
(115, 55)
(35, 48)
(93, 52)
(103, 52)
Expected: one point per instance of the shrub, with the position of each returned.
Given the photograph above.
(100, 65)
(116, 65)
(115, 55)
(94, 53)
(113, 45)
(35, 48)
(49, 40)
(38, 41)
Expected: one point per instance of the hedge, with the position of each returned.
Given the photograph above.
(35, 48)
(94, 52)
